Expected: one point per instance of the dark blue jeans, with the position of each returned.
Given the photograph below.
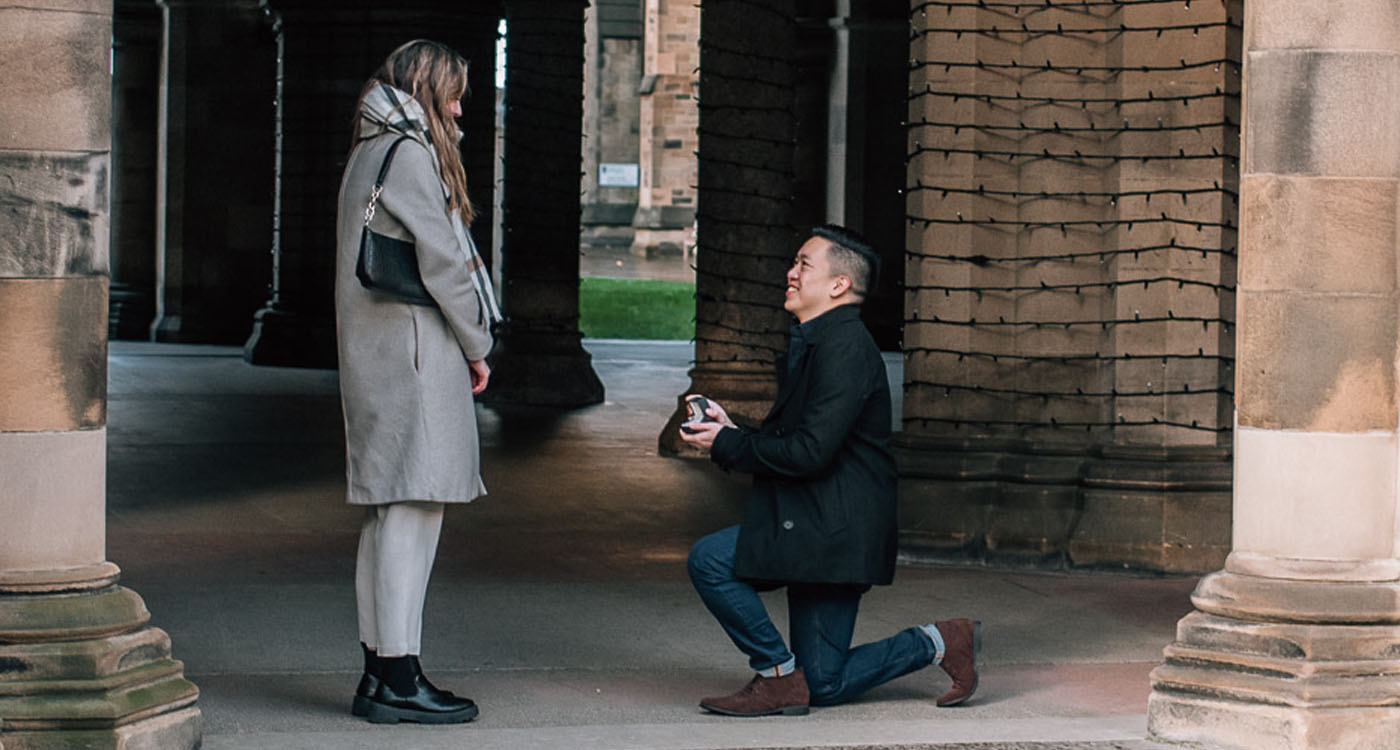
(821, 620)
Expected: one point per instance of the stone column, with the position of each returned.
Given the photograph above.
(745, 238)
(136, 32)
(1294, 644)
(1070, 284)
(611, 114)
(539, 358)
(215, 169)
(79, 665)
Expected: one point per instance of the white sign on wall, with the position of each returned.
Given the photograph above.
(618, 175)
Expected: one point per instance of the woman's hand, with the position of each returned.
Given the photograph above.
(481, 373)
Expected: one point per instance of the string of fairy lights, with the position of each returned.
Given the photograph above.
(1073, 166)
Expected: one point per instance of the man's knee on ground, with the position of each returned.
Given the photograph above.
(825, 690)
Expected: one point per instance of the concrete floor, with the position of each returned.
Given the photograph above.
(560, 601)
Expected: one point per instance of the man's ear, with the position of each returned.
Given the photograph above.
(840, 287)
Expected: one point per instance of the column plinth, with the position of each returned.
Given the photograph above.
(1251, 683)
(543, 368)
(83, 669)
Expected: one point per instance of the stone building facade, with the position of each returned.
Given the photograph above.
(642, 80)
(669, 120)
(611, 122)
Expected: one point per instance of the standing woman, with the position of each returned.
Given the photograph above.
(408, 372)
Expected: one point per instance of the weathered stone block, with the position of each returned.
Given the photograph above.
(1317, 362)
(1303, 106)
(51, 54)
(53, 500)
(1336, 602)
(53, 214)
(1290, 224)
(54, 346)
(178, 730)
(1238, 725)
(1118, 529)
(1364, 25)
(1196, 529)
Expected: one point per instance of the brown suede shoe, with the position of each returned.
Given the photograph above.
(764, 696)
(962, 640)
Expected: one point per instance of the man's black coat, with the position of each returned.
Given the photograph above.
(822, 507)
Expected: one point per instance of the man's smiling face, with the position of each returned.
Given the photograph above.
(811, 287)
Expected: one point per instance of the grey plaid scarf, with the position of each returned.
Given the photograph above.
(387, 109)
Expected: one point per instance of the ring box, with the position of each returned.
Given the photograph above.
(697, 405)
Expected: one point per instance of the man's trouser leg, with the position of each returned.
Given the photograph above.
(821, 621)
(734, 603)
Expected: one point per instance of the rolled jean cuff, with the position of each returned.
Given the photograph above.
(936, 638)
(780, 670)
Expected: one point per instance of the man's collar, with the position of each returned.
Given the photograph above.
(841, 313)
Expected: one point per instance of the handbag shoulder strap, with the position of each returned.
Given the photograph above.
(379, 181)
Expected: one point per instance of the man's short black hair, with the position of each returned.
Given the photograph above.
(851, 256)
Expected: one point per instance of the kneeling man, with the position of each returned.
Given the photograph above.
(820, 518)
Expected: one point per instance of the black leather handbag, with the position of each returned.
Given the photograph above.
(388, 265)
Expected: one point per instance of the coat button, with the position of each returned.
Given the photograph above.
(787, 525)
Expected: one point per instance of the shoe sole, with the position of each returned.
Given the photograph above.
(976, 675)
(378, 713)
(785, 711)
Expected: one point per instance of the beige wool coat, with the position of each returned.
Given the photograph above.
(405, 386)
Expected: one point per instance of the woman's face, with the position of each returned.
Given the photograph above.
(454, 105)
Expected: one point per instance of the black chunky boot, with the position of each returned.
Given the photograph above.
(369, 683)
(404, 694)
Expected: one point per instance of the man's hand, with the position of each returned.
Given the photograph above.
(702, 434)
(481, 373)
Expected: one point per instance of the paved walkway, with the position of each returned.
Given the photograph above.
(560, 601)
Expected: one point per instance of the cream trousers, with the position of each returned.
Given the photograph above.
(398, 543)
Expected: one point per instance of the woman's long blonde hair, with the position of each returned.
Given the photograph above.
(434, 75)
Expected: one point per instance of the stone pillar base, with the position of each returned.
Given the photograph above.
(746, 396)
(1300, 684)
(1227, 724)
(1054, 505)
(542, 369)
(286, 339)
(82, 669)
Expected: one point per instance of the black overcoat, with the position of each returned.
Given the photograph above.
(822, 507)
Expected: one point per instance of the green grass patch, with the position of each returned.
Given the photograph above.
(636, 309)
